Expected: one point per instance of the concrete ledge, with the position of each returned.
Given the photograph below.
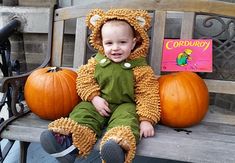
(34, 19)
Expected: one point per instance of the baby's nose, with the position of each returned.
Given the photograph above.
(115, 46)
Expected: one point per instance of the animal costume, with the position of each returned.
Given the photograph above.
(130, 88)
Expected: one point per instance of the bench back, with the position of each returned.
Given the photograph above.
(160, 10)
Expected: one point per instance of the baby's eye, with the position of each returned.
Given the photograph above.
(108, 43)
(123, 42)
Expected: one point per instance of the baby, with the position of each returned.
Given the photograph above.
(119, 91)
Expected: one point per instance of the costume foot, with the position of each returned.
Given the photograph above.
(111, 152)
(59, 146)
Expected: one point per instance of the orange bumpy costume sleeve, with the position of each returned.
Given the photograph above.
(86, 85)
(147, 94)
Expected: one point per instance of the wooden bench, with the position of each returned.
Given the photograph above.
(213, 140)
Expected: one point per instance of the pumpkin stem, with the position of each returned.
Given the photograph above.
(54, 69)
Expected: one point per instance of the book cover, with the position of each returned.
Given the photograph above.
(187, 55)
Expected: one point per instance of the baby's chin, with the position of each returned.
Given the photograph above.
(116, 59)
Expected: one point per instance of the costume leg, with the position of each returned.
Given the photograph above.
(86, 114)
(123, 128)
(83, 124)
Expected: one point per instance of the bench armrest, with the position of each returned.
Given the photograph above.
(17, 82)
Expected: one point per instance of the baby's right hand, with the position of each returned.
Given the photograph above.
(101, 106)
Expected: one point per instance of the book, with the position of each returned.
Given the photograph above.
(187, 55)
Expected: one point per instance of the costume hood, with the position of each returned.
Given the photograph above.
(138, 19)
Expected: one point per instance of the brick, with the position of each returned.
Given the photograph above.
(38, 3)
(35, 37)
(35, 48)
(35, 58)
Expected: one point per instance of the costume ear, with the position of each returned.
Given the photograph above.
(94, 19)
(141, 21)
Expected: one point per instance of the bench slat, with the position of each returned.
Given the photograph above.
(220, 86)
(57, 46)
(207, 6)
(18, 133)
(80, 43)
(192, 147)
(222, 8)
(72, 12)
(187, 26)
(157, 43)
(217, 115)
(31, 120)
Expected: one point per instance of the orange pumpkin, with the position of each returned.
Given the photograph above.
(51, 93)
(184, 99)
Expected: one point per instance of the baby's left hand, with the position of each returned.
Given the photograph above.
(146, 129)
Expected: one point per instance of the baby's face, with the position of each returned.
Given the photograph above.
(118, 40)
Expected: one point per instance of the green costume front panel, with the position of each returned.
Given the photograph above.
(116, 83)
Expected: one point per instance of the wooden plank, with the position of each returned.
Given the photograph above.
(83, 8)
(22, 133)
(220, 86)
(26, 122)
(157, 41)
(217, 115)
(199, 142)
(186, 147)
(31, 121)
(57, 44)
(214, 115)
(167, 143)
(187, 25)
(138, 4)
(212, 119)
(207, 6)
(70, 13)
(80, 43)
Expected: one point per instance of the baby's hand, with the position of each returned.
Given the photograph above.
(146, 129)
(101, 106)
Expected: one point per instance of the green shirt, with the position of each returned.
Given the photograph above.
(116, 80)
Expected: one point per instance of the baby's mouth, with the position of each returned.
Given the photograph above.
(116, 54)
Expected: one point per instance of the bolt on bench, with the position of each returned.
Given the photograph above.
(213, 140)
